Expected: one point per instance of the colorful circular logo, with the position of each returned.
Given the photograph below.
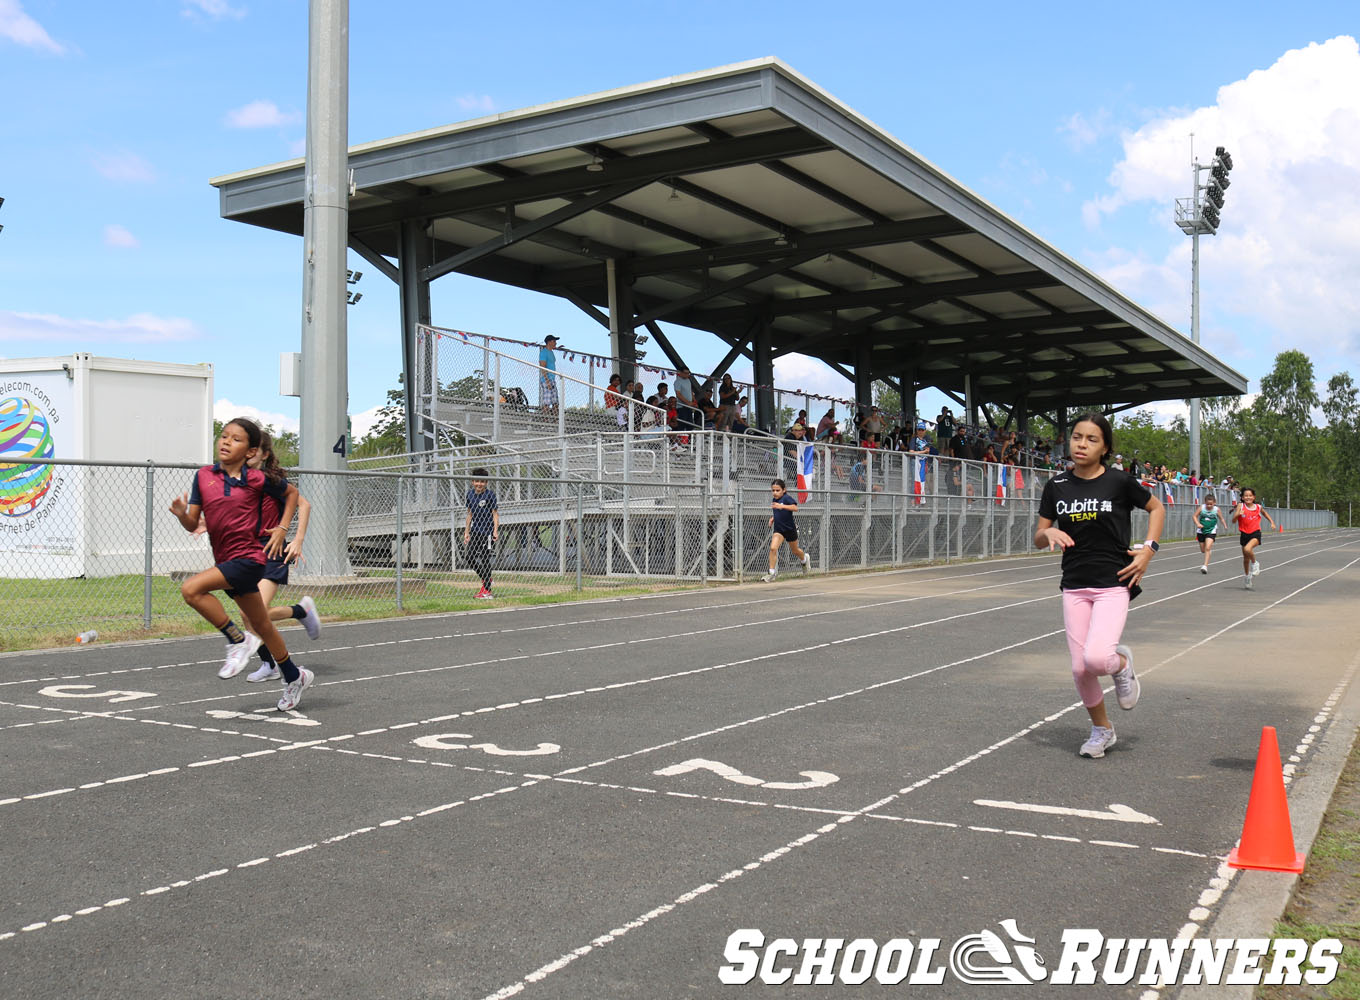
(24, 433)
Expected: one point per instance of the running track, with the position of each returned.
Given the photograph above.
(505, 803)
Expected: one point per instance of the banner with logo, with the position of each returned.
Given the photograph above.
(40, 504)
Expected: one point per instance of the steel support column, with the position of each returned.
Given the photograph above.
(621, 343)
(762, 362)
(323, 414)
(414, 257)
(864, 378)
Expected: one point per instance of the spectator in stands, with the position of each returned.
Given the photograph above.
(638, 398)
(989, 452)
(728, 394)
(944, 431)
(1118, 463)
(739, 425)
(920, 441)
(873, 427)
(704, 401)
(622, 408)
(685, 409)
(547, 377)
(958, 444)
(613, 392)
(796, 434)
(659, 398)
(826, 427)
(802, 418)
(859, 475)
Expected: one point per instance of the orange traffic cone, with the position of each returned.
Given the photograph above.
(1267, 841)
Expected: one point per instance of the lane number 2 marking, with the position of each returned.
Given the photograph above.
(815, 779)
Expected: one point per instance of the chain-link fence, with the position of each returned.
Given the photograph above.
(92, 545)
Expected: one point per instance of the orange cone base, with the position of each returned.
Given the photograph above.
(1277, 865)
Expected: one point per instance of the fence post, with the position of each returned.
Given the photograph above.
(703, 537)
(401, 540)
(146, 561)
(580, 517)
(738, 539)
(496, 401)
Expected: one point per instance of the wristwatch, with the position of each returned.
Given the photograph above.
(1153, 545)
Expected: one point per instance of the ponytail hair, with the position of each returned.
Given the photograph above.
(269, 462)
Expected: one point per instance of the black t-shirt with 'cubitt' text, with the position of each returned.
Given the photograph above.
(1097, 514)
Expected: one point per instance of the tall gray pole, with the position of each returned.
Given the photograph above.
(1194, 329)
(324, 417)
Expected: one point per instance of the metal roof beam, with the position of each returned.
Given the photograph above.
(827, 241)
(794, 258)
(376, 259)
(577, 180)
(525, 229)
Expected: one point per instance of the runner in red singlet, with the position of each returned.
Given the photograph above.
(1248, 516)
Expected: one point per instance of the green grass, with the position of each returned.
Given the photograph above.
(38, 614)
(1346, 985)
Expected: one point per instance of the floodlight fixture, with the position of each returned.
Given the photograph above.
(352, 277)
(352, 298)
(1214, 194)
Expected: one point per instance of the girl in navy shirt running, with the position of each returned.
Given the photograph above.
(230, 496)
(1086, 512)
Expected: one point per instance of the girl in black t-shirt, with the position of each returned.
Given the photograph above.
(1086, 512)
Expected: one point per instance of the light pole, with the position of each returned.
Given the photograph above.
(1198, 218)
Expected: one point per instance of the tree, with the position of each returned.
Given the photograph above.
(1289, 393)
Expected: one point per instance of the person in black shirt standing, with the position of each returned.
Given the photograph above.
(482, 530)
(1086, 511)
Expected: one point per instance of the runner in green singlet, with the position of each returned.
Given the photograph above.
(1207, 520)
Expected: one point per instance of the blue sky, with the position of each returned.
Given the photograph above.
(1072, 118)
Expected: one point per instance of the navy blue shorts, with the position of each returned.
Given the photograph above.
(275, 571)
(243, 576)
(790, 534)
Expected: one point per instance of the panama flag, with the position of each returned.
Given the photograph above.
(1199, 494)
(918, 480)
(1168, 493)
(1002, 478)
(806, 465)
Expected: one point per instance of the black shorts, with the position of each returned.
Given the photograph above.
(243, 576)
(790, 534)
(275, 571)
(1202, 537)
(1245, 537)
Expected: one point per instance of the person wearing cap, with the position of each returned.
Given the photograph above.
(547, 375)
(921, 441)
(796, 434)
(1118, 463)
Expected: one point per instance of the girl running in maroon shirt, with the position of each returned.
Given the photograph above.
(230, 496)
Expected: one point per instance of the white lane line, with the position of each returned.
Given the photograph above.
(255, 862)
(1224, 876)
(287, 745)
(543, 971)
(1021, 562)
(515, 988)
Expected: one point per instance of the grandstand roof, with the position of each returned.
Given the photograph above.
(747, 195)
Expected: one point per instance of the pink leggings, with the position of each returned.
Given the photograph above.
(1094, 617)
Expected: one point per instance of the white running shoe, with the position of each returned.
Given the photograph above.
(768, 578)
(311, 621)
(1204, 569)
(1126, 686)
(1247, 585)
(1255, 567)
(807, 563)
(264, 672)
(1100, 740)
(292, 692)
(238, 655)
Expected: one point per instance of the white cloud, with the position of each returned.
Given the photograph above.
(362, 424)
(118, 236)
(797, 373)
(217, 10)
(224, 410)
(1082, 131)
(67, 333)
(21, 29)
(1288, 251)
(476, 102)
(261, 114)
(124, 166)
